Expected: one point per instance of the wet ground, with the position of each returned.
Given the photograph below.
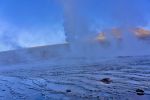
(86, 81)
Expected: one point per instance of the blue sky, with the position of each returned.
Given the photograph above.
(29, 23)
(31, 12)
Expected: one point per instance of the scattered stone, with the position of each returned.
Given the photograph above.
(68, 90)
(90, 95)
(98, 97)
(90, 90)
(106, 80)
(140, 92)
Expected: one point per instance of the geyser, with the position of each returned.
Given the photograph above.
(124, 15)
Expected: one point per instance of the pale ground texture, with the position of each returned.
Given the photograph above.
(78, 80)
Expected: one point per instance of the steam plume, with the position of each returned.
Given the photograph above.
(125, 15)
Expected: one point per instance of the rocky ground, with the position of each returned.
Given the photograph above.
(121, 78)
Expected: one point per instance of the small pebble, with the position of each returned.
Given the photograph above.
(97, 96)
(68, 90)
(140, 92)
(106, 80)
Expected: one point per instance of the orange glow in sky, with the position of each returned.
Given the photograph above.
(101, 37)
(141, 32)
(117, 33)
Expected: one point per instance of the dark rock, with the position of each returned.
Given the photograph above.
(140, 92)
(90, 90)
(98, 97)
(106, 80)
(68, 90)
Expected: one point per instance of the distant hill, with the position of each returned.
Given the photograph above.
(33, 54)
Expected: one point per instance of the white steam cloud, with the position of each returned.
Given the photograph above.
(124, 15)
(16, 38)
